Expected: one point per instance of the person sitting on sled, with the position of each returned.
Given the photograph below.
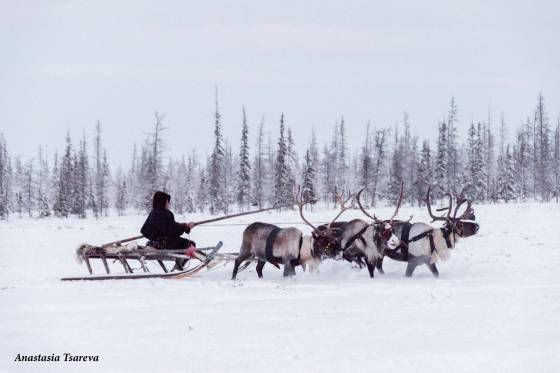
(163, 232)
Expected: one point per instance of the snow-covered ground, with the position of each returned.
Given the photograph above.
(495, 308)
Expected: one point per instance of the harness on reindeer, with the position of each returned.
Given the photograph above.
(446, 232)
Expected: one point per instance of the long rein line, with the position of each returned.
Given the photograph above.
(275, 223)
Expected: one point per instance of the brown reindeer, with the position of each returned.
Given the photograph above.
(368, 241)
(287, 246)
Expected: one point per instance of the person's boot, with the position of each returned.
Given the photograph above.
(179, 264)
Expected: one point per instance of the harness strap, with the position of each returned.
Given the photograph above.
(432, 244)
(420, 236)
(446, 233)
(355, 237)
(403, 247)
(430, 234)
(405, 232)
(269, 244)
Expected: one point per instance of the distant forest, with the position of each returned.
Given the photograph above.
(264, 167)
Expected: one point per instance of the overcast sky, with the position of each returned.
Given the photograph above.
(64, 65)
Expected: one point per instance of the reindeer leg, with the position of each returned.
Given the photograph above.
(379, 265)
(370, 267)
(360, 261)
(412, 264)
(260, 266)
(433, 269)
(289, 270)
(240, 259)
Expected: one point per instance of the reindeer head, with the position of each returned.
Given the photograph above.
(384, 228)
(326, 239)
(463, 226)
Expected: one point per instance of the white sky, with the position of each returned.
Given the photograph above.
(66, 64)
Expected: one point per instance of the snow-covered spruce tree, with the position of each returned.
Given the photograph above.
(380, 157)
(342, 160)
(104, 203)
(244, 172)
(453, 161)
(409, 160)
(65, 185)
(309, 189)
(502, 134)
(168, 173)
(506, 178)
(523, 162)
(216, 171)
(542, 151)
(180, 178)
(441, 161)
(475, 172)
(135, 182)
(556, 162)
(424, 175)
(54, 181)
(4, 178)
(229, 177)
(18, 204)
(259, 173)
(202, 188)
(43, 180)
(192, 179)
(29, 188)
(489, 156)
(366, 165)
(314, 154)
(329, 167)
(121, 198)
(293, 164)
(270, 172)
(354, 179)
(326, 175)
(151, 161)
(396, 170)
(101, 173)
(283, 194)
(81, 181)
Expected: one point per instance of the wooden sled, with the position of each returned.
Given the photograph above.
(144, 254)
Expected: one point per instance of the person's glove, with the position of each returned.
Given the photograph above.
(191, 250)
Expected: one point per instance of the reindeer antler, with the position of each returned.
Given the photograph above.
(343, 206)
(429, 206)
(398, 203)
(362, 207)
(298, 197)
(460, 200)
(468, 214)
(450, 205)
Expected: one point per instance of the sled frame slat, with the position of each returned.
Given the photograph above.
(104, 259)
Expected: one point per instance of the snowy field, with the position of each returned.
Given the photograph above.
(495, 308)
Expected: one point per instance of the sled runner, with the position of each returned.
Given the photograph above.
(207, 257)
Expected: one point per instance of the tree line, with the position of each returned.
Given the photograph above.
(486, 163)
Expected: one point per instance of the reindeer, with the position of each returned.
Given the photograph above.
(424, 244)
(287, 246)
(362, 241)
